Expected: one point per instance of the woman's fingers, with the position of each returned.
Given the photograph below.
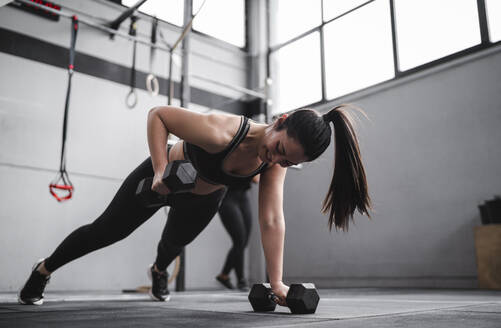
(280, 293)
(159, 187)
(281, 301)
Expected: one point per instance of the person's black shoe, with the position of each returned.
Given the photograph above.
(242, 285)
(225, 282)
(159, 285)
(32, 292)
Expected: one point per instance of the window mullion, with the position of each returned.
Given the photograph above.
(322, 64)
(394, 38)
(482, 19)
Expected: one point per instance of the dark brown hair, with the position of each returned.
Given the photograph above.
(348, 189)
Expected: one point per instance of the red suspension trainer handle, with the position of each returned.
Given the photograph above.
(63, 187)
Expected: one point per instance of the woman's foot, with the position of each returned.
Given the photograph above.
(242, 285)
(159, 284)
(225, 281)
(32, 292)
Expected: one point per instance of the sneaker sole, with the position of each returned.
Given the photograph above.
(153, 297)
(20, 301)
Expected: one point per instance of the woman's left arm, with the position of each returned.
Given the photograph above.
(272, 224)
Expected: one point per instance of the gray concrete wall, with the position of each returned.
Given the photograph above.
(432, 154)
(105, 142)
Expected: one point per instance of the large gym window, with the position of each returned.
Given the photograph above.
(431, 29)
(494, 19)
(366, 42)
(358, 49)
(296, 74)
(293, 17)
(170, 11)
(222, 19)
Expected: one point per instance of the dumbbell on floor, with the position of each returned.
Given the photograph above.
(179, 176)
(301, 298)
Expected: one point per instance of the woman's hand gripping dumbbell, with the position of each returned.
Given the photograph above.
(179, 176)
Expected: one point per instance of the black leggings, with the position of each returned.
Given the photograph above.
(188, 216)
(235, 213)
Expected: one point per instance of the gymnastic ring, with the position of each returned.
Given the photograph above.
(131, 99)
(152, 84)
(175, 272)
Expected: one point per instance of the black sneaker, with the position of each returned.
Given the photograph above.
(159, 285)
(242, 285)
(32, 292)
(225, 282)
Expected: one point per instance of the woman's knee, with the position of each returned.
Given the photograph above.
(107, 235)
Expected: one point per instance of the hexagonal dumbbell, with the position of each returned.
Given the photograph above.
(179, 176)
(301, 298)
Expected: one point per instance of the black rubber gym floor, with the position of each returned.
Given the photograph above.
(337, 308)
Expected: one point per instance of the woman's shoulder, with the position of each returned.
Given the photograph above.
(223, 128)
(207, 130)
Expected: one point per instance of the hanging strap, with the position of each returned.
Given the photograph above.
(131, 99)
(151, 80)
(62, 181)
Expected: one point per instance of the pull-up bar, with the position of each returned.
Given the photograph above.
(232, 87)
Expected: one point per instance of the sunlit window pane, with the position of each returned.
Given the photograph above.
(295, 71)
(222, 19)
(290, 18)
(168, 10)
(431, 29)
(334, 8)
(358, 49)
(494, 18)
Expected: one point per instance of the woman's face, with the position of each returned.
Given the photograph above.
(279, 148)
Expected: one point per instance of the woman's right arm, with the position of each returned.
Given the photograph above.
(199, 129)
(272, 226)
(157, 141)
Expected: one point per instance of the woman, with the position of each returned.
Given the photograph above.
(235, 213)
(225, 150)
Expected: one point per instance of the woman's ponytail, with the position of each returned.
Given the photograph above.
(348, 189)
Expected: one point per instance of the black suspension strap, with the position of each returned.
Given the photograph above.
(151, 80)
(131, 99)
(66, 187)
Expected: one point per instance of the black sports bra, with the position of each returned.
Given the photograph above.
(210, 166)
